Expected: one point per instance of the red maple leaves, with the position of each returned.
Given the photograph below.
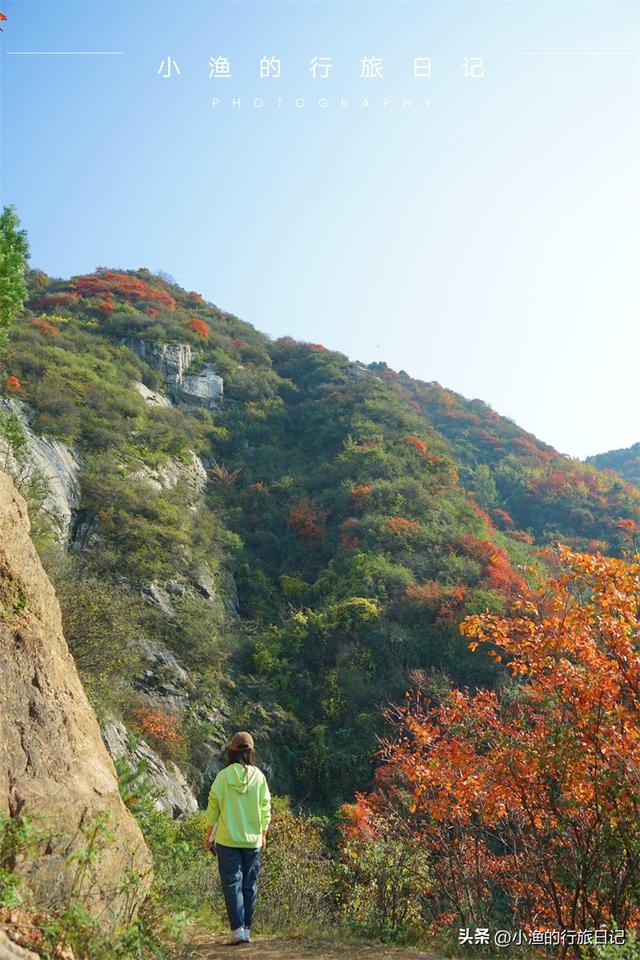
(533, 791)
(199, 327)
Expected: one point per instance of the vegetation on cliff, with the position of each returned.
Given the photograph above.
(362, 515)
(301, 554)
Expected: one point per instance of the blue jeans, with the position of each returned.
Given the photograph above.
(239, 868)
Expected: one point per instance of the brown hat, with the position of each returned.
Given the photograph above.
(241, 741)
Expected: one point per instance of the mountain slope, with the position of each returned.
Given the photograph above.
(551, 496)
(358, 513)
(625, 462)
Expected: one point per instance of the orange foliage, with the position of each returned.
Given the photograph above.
(501, 517)
(308, 521)
(53, 301)
(497, 572)
(522, 536)
(536, 792)
(595, 546)
(402, 525)
(358, 819)
(13, 383)
(158, 724)
(260, 487)
(417, 443)
(46, 328)
(199, 327)
(428, 595)
(360, 495)
(481, 513)
(627, 526)
(347, 529)
(442, 600)
(111, 283)
(422, 448)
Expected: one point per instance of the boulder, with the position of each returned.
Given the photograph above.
(54, 766)
(12, 951)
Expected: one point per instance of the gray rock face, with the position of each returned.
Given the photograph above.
(203, 389)
(151, 397)
(50, 461)
(205, 584)
(159, 597)
(174, 794)
(162, 660)
(53, 763)
(164, 683)
(172, 359)
(167, 476)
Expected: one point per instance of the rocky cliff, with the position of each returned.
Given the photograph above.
(49, 461)
(53, 764)
(203, 389)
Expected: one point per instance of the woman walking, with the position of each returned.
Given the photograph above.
(238, 817)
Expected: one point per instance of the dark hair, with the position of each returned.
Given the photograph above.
(244, 755)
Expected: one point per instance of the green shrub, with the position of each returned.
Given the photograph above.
(630, 950)
(295, 886)
(381, 879)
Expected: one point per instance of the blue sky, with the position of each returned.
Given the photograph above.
(488, 241)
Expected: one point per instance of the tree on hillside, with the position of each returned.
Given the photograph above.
(527, 800)
(14, 252)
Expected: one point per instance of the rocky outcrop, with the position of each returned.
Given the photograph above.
(53, 764)
(49, 461)
(203, 389)
(171, 791)
(171, 359)
(151, 397)
(191, 474)
(164, 683)
(160, 598)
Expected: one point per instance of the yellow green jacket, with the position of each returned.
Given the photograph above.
(239, 806)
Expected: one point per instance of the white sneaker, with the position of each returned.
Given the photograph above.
(238, 936)
(247, 935)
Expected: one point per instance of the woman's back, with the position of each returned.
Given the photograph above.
(239, 812)
(239, 800)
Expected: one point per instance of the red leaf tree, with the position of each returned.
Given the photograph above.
(199, 327)
(308, 521)
(533, 793)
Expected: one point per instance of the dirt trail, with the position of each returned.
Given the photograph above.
(275, 948)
